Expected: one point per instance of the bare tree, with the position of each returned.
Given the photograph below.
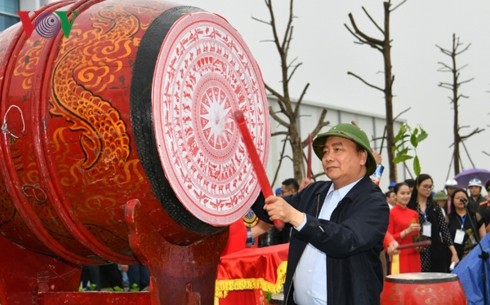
(383, 45)
(289, 110)
(457, 48)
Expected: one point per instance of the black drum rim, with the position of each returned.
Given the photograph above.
(141, 117)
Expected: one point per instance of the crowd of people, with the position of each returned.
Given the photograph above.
(453, 219)
(336, 229)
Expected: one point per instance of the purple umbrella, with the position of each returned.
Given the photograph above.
(466, 175)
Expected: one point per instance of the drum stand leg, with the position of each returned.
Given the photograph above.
(179, 275)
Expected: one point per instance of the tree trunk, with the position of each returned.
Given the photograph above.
(390, 135)
(296, 147)
(457, 138)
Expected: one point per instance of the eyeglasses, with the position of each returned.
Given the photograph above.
(427, 187)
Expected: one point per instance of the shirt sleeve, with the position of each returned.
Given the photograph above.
(301, 225)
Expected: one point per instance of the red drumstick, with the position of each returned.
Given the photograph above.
(256, 164)
(416, 244)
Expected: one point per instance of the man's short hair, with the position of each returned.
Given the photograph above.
(388, 193)
(291, 183)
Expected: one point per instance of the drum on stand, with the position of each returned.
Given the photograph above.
(423, 288)
(119, 145)
(136, 102)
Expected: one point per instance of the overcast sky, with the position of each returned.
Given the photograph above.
(327, 51)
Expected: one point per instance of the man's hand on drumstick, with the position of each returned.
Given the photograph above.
(279, 209)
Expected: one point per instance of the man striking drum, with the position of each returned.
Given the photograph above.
(339, 225)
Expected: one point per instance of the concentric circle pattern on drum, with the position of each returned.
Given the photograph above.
(204, 73)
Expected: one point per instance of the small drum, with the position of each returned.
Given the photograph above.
(423, 288)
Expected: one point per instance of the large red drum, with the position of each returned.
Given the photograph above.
(135, 101)
(423, 288)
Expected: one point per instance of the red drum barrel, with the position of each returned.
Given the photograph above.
(423, 288)
(135, 101)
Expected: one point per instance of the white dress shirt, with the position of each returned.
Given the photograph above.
(310, 276)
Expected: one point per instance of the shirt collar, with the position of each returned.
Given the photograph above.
(343, 190)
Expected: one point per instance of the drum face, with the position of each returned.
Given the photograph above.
(421, 277)
(201, 75)
(136, 103)
(423, 288)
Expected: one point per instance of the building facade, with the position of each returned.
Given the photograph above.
(8, 13)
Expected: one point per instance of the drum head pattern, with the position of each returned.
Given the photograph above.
(203, 73)
(423, 288)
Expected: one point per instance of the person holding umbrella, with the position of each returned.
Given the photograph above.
(464, 177)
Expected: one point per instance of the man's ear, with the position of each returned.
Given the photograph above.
(364, 157)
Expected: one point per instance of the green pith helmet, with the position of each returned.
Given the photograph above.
(351, 132)
(439, 196)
